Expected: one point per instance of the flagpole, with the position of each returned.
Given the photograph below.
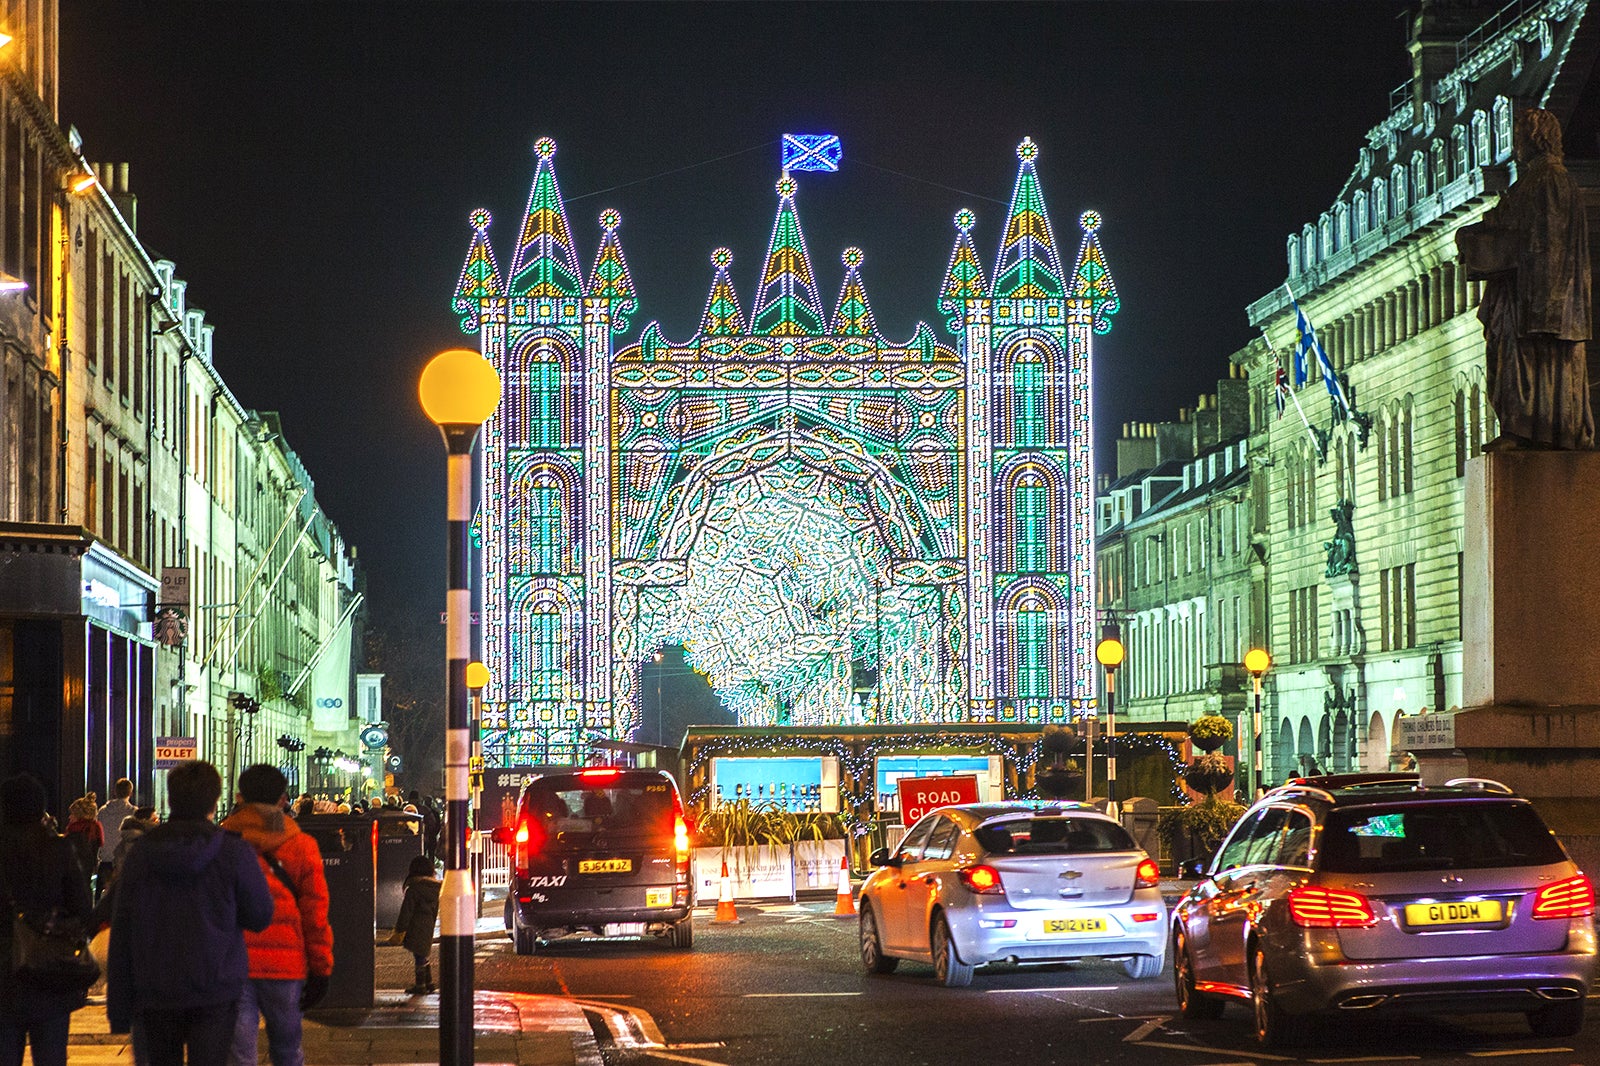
(1324, 364)
(1316, 442)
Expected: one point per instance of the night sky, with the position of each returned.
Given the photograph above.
(310, 168)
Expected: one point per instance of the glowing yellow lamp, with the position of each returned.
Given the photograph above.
(1109, 653)
(459, 387)
(477, 675)
(1257, 661)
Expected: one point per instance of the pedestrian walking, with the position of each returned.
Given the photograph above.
(419, 911)
(85, 835)
(38, 874)
(186, 895)
(133, 827)
(290, 960)
(116, 811)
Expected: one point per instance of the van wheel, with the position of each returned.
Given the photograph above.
(1558, 1019)
(526, 940)
(681, 935)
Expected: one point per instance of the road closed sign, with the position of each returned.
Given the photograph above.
(170, 751)
(919, 795)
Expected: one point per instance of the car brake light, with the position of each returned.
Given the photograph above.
(981, 880)
(526, 844)
(680, 837)
(1572, 898)
(607, 771)
(1148, 875)
(1315, 907)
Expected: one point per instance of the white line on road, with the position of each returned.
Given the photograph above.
(658, 1053)
(1519, 1051)
(1145, 1030)
(1064, 988)
(1373, 1058)
(1212, 1050)
(795, 995)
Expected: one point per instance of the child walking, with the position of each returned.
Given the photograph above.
(413, 929)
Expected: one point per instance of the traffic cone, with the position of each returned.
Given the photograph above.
(725, 911)
(844, 903)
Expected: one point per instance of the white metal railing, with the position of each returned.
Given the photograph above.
(494, 869)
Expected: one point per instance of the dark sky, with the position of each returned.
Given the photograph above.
(310, 168)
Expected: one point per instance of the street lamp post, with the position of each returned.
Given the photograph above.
(1109, 652)
(477, 681)
(661, 741)
(459, 390)
(1258, 662)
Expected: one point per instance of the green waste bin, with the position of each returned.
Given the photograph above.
(349, 861)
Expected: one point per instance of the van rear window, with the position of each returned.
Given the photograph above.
(574, 811)
(1387, 838)
(1052, 836)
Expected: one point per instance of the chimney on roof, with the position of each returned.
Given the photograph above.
(1435, 27)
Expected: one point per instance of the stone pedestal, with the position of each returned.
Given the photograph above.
(1531, 634)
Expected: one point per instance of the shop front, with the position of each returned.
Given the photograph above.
(77, 665)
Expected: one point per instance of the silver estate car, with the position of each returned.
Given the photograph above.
(1022, 882)
(1347, 894)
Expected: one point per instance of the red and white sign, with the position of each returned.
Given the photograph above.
(919, 795)
(170, 751)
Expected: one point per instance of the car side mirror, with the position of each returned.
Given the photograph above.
(881, 857)
(1192, 869)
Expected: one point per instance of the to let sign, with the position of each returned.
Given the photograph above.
(919, 795)
(170, 751)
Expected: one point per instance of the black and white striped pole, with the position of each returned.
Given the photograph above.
(1109, 653)
(1257, 662)
(459, 390)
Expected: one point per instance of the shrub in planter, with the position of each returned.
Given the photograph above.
(1210, 731)
(1209, 773)
(1196, 830)
(742, 824)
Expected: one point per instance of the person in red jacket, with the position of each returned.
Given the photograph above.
(290, 960)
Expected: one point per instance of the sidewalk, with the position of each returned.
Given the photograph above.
(512, 1030)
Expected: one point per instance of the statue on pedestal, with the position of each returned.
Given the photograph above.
(1532, 253)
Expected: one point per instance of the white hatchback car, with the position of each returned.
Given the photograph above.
(1022, 882)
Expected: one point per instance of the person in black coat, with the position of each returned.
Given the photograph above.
(38, 873)
(177, 962)
(419, 912)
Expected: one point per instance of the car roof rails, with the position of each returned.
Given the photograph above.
(1361, 780)
(1296, 787)
(1487, 784)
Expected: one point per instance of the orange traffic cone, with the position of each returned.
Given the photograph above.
(725, 911)
(845, 903)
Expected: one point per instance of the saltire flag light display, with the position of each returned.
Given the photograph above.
(812, 151)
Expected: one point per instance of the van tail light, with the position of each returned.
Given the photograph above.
(1148, 875)
(1315, 907)
(1572, 898)
(680, 838)
(982, 880)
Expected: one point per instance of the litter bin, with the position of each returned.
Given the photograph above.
(399, 841)
(349, 861)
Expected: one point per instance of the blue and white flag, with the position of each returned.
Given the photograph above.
(1309, 345)
(812, 151)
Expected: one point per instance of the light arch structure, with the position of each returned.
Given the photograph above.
(799, 501)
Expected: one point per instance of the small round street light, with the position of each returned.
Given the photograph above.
(459, 390)
(1257, 662)
(1109, 653)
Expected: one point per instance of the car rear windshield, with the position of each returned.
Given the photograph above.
(1052, 836)
(1435, 836)
(579, 812)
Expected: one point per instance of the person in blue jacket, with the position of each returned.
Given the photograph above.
(177, 962)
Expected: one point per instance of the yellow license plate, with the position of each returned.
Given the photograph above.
(658, 897)
(1463, 912)
(605, 866)
(1058, 926)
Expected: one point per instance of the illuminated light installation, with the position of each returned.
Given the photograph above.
(804, 505)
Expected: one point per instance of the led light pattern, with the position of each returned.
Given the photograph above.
(837, 527)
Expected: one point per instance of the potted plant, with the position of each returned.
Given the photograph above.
(1058, 776)
(1210, 731)
(1195, 831)
(1209, 773)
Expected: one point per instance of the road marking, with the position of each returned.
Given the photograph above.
(1146, 1029)
(641, 1035)
(1063, 988)
(1213, 1050)
(795, 995)
(1519, 1051)
(1373, 1058)
(660, 1054)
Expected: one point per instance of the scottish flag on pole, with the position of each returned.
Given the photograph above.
(811, 151)
(1309, 345)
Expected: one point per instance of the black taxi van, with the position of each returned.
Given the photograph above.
(600, 852)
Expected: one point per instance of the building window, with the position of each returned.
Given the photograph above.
(1027, 386)
(545, 638)
(1303, 624)
(544, 382)
(1397, 606)
(1032, 671)
(545, 527)
(1031, 545)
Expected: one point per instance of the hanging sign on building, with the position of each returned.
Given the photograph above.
(919, 795)
(170, 751)
(175, 587)
(330, 683)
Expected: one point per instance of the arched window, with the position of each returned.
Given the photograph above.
(544, 402)
(1359, 223)
(1441, 165)
(1458, 152)
(1380, 203)
(1502, 128)
(1397, 188)
(545, 652)
(546, 537)
(1032, 513)
(1027, 397)
(1480, 139)
(1033, 669)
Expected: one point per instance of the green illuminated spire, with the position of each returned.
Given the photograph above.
(1091, 278)
(610, 280)
(787, 304)
(964, 279)
(1029, 267)
(480, 276)
(723, 316)
(854, 317)
(546, 265)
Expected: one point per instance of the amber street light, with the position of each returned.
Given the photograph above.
(459, 390)
(1109, 653)
(1258, 662)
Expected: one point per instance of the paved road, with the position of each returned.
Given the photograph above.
(784, 988)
